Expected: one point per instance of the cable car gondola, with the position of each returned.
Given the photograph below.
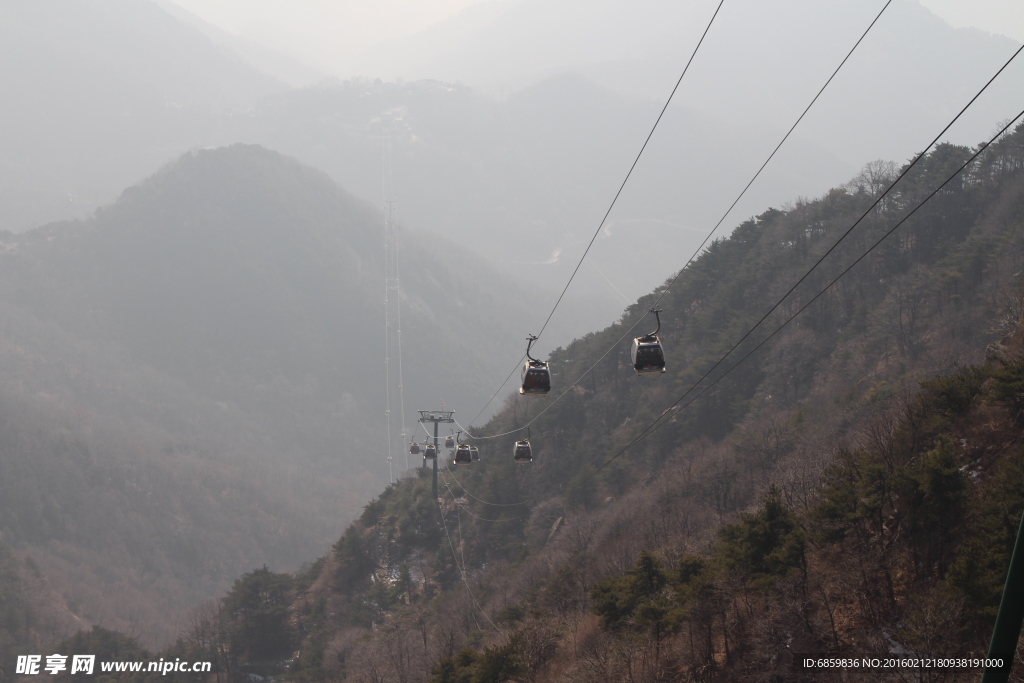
(536, 377)
(522, 451)
(449, 441)
(462, 452)
(474, 452)
(430, 453)
(647, 353)
(414, 448)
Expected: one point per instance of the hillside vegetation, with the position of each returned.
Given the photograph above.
(853, 486)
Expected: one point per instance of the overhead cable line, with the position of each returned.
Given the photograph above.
(614, 199)
(774, 151)
(458, 516)
(462, 571)
(484, 519)
(700, 247)
(479, 500)
(877, 201)
(633, 166)
(496, 392)
(557, 398)
(864, 215)
(558, 215)
(660, 421)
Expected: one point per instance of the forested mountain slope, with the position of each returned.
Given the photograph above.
(179, 367)
(33, 615)
(853, 486)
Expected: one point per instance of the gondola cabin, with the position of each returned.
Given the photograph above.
(449, 442)
(648, 355)
(414, 448)
(430, 453)
(475, 453)
(536, 378)
(463, 455)
(523, 452)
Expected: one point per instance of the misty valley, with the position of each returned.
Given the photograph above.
(264, 402)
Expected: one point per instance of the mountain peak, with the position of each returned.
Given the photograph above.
(245, 190)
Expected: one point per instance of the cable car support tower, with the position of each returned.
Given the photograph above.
(392, 306)
(437, 417)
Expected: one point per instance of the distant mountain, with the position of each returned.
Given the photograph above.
(759, 62)
(230, 267)
(525, 180)
(99, 93)
(275, 63)
(192, 381)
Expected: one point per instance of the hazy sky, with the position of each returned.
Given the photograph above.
(326, 33)
(995, 16)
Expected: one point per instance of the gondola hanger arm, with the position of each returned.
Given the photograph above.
(529, 342)
(657, 316)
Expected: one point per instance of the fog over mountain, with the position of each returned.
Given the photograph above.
(273, 62)
(99, 94)
(539, 166)
(192, 261)
(759, 61)
(180, 366)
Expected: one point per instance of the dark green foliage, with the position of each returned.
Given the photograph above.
(765, 545)
(108, 646)
(14, 614)
(308, 573)
(979, 570)
(257, 607)
(457, 669)
(636, 596)
(354, 561)
(953, 394)
(941, 481)
(372, 512)
(499, 664)
(908, 481)
(1009, 388)
(315, 628)
(692, 582)
(511, 615)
